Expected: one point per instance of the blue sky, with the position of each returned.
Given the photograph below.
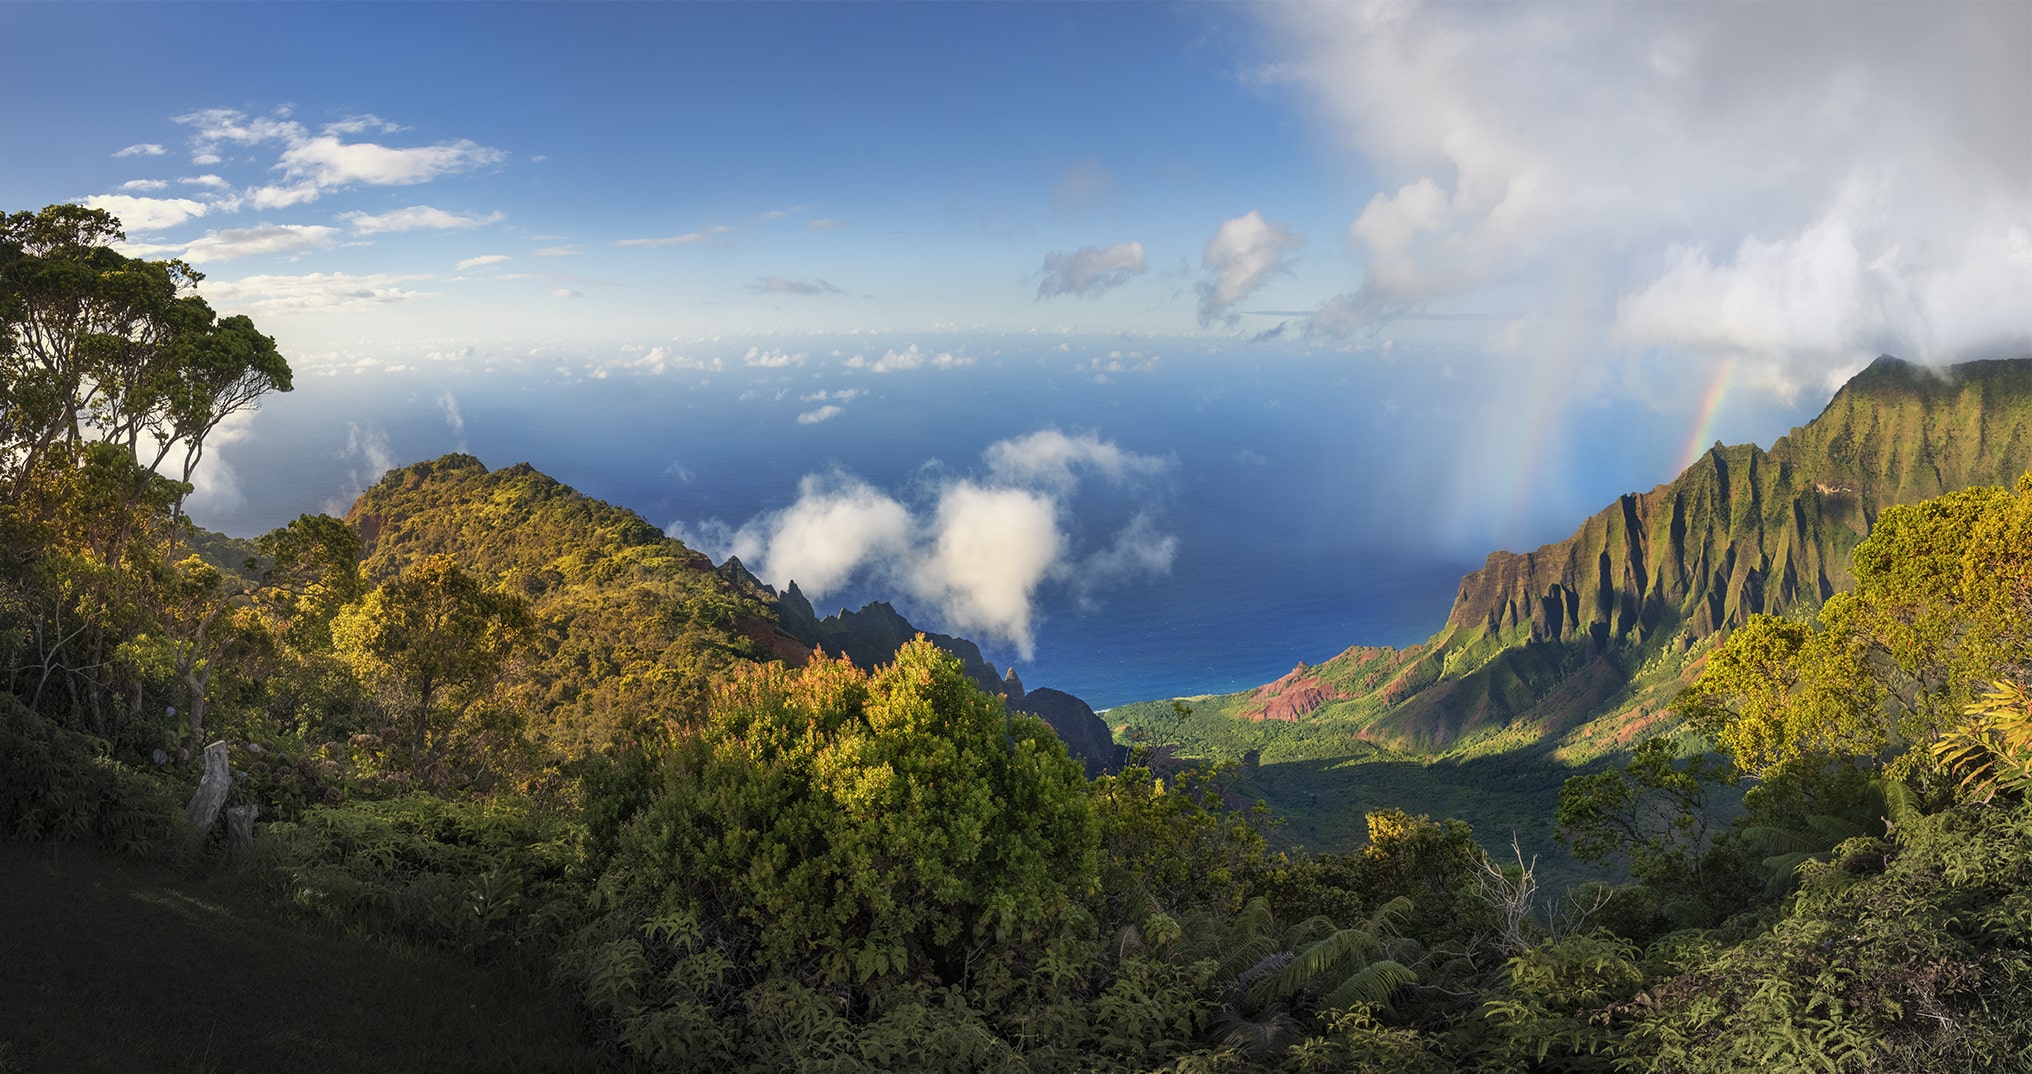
(1783, 187)
(1517, 257)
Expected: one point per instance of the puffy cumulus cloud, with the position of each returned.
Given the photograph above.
(416, 218)
(991, 549)
(907, 359)
(1090, 270)
(208, 181)
(144, 184)
(843, 395)
(483, 259)
(824, 413)
(141, 149)
(838, 526)
(771, 359)
(316, 292)
(234, 243)
(1241, 257)
(1052, 459)
(978, 550)
(1798, 186)
(147, 214)
(777, 285)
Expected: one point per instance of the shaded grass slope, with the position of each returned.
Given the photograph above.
(109, 965)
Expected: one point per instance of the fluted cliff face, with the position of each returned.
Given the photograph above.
(1745, 530)
(1540, 643)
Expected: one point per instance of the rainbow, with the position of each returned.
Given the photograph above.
(1703, 423)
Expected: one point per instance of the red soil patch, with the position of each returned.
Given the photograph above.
(1296, 695)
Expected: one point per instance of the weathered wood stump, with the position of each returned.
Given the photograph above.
(240, 832)
(203, 810)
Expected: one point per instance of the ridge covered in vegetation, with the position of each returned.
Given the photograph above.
(1578, 647)
(492, 718)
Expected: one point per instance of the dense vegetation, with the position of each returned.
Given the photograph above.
(565, 751)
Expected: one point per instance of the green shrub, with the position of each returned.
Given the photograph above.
(60, 784)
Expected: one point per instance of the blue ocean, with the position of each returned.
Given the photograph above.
(1312, 502)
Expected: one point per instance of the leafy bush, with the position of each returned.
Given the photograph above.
(60, 784)
(484, 877)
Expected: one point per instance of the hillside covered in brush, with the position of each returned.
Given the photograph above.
(1577, 646)
(629, 625)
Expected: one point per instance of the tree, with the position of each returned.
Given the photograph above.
(100, 346)
(1656, 812)
(1939, 610)
(113, 373)
(846, 827)
(432, 642)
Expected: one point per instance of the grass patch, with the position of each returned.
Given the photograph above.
(109, 965)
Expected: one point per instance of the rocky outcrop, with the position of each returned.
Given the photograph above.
(1083, 730)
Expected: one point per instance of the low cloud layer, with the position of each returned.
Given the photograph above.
(979, 549)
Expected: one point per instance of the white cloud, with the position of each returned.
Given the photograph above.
(1800, 185)
(312, 165)
(211, 182)
(144, 184)
(312, 293)
(978, 551)
(687, 239)
(415, 218)
(771, 359)
(992, 548)
(837, 526)
(558, 251)
(329, 162)
(1051, 459)
(361, 124)
(483, 259)
(1131, 361)
(777, 285)
(824, 413)
(369, 446)
(907, 359)
(1090, 270)
(1138, 549)
(141, 149)
(565, 292)
(1242, 256)
(844, 395)
(455, 421)
(147, 214)
(262, 239)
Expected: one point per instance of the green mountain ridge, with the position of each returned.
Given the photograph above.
(1576, 647)
(631, 623)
